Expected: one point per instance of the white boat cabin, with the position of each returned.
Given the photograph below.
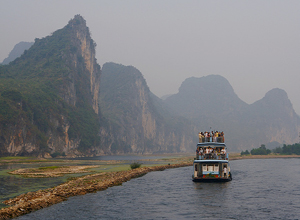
(211, 162)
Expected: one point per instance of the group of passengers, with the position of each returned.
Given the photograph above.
(211, 153)
(211, 137)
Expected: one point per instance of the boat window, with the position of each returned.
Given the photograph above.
(210, 168)
(204, 167)
(216, 168)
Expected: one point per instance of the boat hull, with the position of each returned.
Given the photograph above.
(212, 179)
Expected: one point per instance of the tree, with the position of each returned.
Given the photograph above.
(262, 150)
(245, 153)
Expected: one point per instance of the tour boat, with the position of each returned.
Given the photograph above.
(211, 163)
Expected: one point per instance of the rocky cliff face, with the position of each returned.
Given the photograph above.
(81, 39)
(137, 125)
(81, 61)
(54, 94)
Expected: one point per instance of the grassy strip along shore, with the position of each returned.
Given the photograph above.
(33, 201)
(237, 156)
(52, 171)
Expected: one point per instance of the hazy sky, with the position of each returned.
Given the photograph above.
(254, 44)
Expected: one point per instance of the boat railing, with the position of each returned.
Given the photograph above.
(212, 139)
(212, 156)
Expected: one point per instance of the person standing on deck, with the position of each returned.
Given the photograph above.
(225, 171)
(216, 136)
(215, 153)
(201, 151)
(207, 150)
(206, 136)
(223, 152)
(222, 137)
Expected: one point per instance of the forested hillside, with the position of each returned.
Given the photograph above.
(49, 96)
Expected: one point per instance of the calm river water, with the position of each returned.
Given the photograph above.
(261, 189)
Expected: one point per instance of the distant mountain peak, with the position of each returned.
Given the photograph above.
(276, 97)
(276, 92)
(207, 85)
(78, 20)
(204, 97)
(17, 51)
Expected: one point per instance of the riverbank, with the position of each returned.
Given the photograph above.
(33, 201)
(237, 156)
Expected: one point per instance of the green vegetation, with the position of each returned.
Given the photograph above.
(245, 153)
(114, 168)
(21, 159)
(49, 168)
(262, 150)
(285, 150)
(56, 154)
(15, 158)
(31, 91)
(135, 165)
(288, 149)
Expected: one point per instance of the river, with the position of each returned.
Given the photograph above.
(260, 189)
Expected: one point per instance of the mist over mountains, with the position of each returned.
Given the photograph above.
(17, 51)
(56, 99)
(138, 120)
(210, 102)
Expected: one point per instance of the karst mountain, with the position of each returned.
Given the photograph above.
(55, 100)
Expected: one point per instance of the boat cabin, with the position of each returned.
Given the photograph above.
(211, 162)
(211, 169)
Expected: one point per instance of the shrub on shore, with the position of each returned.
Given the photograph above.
(135, 165)
(245, 153)
(56, 154)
